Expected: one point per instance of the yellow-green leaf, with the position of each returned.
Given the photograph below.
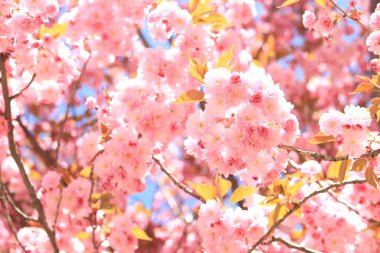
(225, 59)
(222, 186)
(374, 108)
(56, 31)
(359, 165)
(321, 2)
(363, 87)
(83, 236)
(288, 2)
(276, 214)
(294, 189)
(241, 193)
(197, 69)
(140, 234)
(371, 177)
(85, 172)
(190, 96)
(206, 191)
(343, 168)
(320, 138)
(216, 20)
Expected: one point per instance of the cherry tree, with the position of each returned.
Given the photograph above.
(189, 126)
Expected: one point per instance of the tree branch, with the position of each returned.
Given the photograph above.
(320, 156)
(176, 181)
(58, 207)
(25, 88)
(14, 153)
(302, 202)
(9, 221)
(69, 105)
(44, 155)
(293, 245)
(345, 14)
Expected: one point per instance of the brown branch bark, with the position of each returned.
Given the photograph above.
(345, 14)
(44, 155)
(25, 88)
(293, 245)
(9, 220)
(69, 105)
(301, 203)
(320, 156)
(14, 153)
(177, 182)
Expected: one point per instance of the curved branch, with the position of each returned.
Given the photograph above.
(10, 222)
(293, 245)
(14, 153)
(320, 156)
(25, 88)
(69, 105)
(176, 181)
(301, 203)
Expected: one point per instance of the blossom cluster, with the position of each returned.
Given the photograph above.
(373, 40)
(348, 128)
(323, 24)
(229, 230)
(245, 118)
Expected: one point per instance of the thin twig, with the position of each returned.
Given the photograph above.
(10, 222)
(320, 156)
(57, 211)
(345, 14)
(177, 182)
(8, 198)
(302, 202)
(293, 245)
(69, 105)
(142, 37)
(349, 207)
(14, 153)
(92, 216)
(44, 155)
(25, 88)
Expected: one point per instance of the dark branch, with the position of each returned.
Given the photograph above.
(14, 153)
(177, 182)
(293, 245)
(302, 202)
(25, 88)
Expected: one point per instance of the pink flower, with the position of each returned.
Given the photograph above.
(374, 20)
(324, 25)
(331, 123)
(373, 42)
(308, 19)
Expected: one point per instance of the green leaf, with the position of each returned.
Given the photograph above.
(190, 96)
(140, 234)
(241, 193)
